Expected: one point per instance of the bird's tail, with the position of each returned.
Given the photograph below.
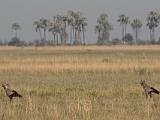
(154, 90)
(19, 95)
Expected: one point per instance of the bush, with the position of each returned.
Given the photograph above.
(77, 42)
(141, 42)
(128, 38)
(158, 42)
(104, 42)
(15, 41)
(116, 41)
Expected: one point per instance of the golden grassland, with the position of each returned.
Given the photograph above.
(80, 83)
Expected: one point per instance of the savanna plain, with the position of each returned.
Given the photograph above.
(80, 82)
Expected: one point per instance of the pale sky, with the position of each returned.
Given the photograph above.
(26, 11)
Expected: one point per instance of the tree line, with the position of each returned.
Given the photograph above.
(70, 29)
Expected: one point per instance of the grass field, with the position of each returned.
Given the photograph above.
(80, 83)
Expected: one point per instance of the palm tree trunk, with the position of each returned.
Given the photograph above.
(57, 39)
(75, 35)
(99, 35)
(125, 30)
(103, 35)
(54, 38)
(150, 34)
(122, 32)
(153, 34)
(71, 35)
(44, 37)
(61, 36)
(136, 35)
(84, 42)
(16, 33)
(79, 37)
(40, 34)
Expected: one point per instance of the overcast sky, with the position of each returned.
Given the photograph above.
(26, 11)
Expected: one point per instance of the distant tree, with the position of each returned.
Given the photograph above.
(136, 26)
(37, 25)
(83, 25)
(77, 32)
(77, 24)
(128, 38)
(62, 23)
(103, 28)
(99, 29)
(45, 23)
(42, 25)
(53, 29)
(71, 23)
(15, 28)
(58, 28)
(124, 21)
(153, 20)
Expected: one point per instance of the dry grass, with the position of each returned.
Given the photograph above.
(80, 83)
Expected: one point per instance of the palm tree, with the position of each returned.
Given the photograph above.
(99, 29)
(77, 27)
(45, 23)
(52, 29)
(42, 25)
(59, 28)
(153, 19)
(55, 30)
(37, 25)
(61, 21)
(63, 28)
(103, 28)
(16, 27)
(124, 21)
(136, 26)
(84, 24)
(71, 23)
(77, 23)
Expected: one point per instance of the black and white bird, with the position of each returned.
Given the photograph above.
(147, 89)
(10, 92)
